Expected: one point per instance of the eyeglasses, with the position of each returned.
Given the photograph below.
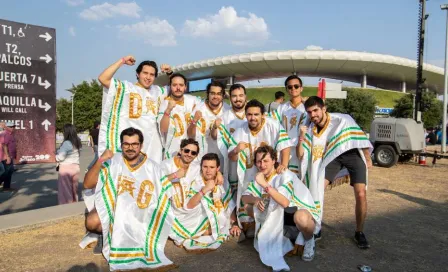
(127, 145)
(295, 86)
(186, 151)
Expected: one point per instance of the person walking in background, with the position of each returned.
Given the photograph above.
(8, 143)
(67, 157)
(279, 98)
(93, 140)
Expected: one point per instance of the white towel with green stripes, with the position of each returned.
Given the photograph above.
(269, 240)
(339, 134)
(133, 204)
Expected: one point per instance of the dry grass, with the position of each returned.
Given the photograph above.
(406, 227)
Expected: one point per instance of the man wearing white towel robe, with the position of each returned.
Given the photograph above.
(269, 194)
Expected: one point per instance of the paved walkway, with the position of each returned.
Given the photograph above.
(37, 184)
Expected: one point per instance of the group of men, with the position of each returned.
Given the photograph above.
(173, 166)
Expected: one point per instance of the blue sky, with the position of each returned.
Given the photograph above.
(93, 34)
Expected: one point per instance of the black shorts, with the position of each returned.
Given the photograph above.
(288, 218)
(351, 160)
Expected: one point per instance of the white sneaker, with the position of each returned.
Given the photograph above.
(308, 251)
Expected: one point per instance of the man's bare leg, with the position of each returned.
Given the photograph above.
(93, 223)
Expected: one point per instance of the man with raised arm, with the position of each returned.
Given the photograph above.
(132, 206)
(334, 143)
(131, 104)
(175, 115)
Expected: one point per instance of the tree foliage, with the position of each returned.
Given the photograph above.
(360, 105)
(433, 109)
(87, 106)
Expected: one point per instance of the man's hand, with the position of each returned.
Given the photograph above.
(171, 105)
(197, 116)
(241, 146)
(261, 180)
(107, 155)
(166, 68)
(181, 172)
(129, 60)
(259, 204)
(281, 169)
(217, 123)
(219, 179)
(8, 160)
(209, 185)
(235, 230)
(303, 130)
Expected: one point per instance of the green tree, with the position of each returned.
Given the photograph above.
(63, 113)
(360, 105)
(87, 106)
(433, 109)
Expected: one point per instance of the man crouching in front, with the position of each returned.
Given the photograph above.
(269, 194)
(132, 206)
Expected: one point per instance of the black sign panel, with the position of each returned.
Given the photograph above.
(28, 88)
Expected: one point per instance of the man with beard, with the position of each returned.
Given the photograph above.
(175, 114)
(181, 170)
(203, 123)
(127, 104)
(259, 131)
(270, 193)
(292, 115)
(204, 224)
(132, 206)
(334, 141)
(231, 120)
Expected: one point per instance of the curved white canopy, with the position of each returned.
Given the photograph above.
(382, 71)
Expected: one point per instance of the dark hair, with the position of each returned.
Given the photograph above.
(279, 95)
(291, 77)
(71, 136)
(211, 157)
(189, 141)
(215, 83)
(314, 101)
(151, 63)
(130, 131)
(96, 124)
(266, 149)
(236, 86)
(178, 75)
(255, 103)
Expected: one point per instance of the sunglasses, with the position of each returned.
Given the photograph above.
(134, 145)
(186, 151)
(295, 86)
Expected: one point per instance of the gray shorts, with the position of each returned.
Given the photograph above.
(351, 160)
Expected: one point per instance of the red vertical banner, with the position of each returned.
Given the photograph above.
(324, 85)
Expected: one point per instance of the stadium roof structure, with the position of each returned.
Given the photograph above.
(377, 70)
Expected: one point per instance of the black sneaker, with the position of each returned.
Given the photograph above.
(98, 249)
(318, 236)
(361, 240)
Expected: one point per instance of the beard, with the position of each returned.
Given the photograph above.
(130, 155)
(237, 107)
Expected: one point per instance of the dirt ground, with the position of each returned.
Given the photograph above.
(406, 227)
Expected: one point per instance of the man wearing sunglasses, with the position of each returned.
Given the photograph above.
(131, 104)
(132, 199)
(181, 170)
(175, 114)
(203, 123)
(292, 115)
(203, 223)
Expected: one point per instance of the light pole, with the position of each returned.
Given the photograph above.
(73, 92)
(445, 87)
